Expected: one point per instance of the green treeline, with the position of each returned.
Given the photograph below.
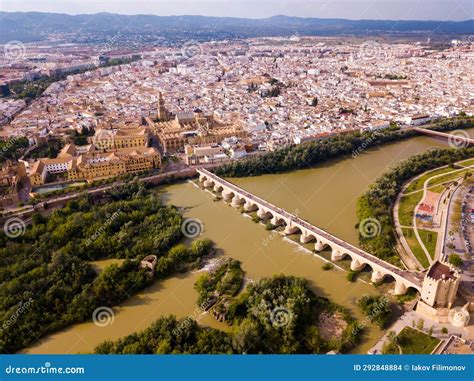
(170, 336)
(13, 148)
(47, 281)
(378, 202)
(275, 315)
(309, 154)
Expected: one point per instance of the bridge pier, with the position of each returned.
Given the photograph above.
(337, 255)
(306, 238)
(400, 288)
(262, 214)
(291, 230)
(377, 276)
(357, 265)
(319, 246)
(227, 195)
(208, 183)
(237, 201)
(250, 207)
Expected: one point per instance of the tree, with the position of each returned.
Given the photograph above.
(455, 260)
(420, 324)
(376, 308)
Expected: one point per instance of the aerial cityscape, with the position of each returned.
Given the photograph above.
(236, 185)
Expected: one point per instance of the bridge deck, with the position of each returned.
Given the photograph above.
(409, 276)
(445, 135)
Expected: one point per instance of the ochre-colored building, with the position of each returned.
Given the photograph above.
(174, 131)
(120, 138)
(97, 165)
(112, 152)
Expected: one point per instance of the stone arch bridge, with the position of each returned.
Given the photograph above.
(310, 233)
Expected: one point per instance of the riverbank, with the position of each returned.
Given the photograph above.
(326, 196)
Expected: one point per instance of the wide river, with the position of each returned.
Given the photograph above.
(325, 195)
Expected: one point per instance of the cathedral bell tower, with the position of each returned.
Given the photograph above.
(162, 114)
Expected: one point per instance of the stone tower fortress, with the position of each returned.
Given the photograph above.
(440, 285)
(438, 296)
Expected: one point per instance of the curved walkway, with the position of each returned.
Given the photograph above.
(406, 254)
(443, 220)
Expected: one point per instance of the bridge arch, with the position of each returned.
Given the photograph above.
(249, 205)
(278, 220)
(339, 255)
(321, 245)
(307, 237)
(340, 249)
(237, 200)
(292, 229)
(264, 214)
(208, 183)
(227, 194)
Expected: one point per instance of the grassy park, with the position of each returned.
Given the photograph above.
(413, 194)
(415, 247)
(412, 341)
(407, 207)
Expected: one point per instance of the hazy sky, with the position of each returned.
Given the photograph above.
(351, 9)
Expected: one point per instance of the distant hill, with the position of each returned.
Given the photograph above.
(31, 26)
